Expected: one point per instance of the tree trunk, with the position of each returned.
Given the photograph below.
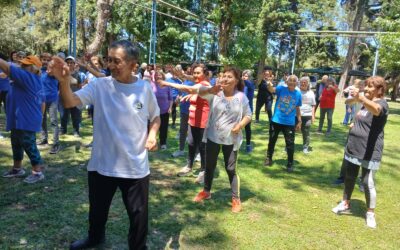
(225, 28)
(263, 56)
(83, 30)
(356, 27)
(395, 91)
(104, 12)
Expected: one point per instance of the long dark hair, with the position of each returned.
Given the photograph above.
(237, 73)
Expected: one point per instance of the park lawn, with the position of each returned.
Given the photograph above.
(280, 210)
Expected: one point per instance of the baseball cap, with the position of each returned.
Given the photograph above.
(70, 58)
(61, 54)
(31, 60)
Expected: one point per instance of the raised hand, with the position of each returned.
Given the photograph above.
(59, 69)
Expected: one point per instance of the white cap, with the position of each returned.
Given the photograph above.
(70, 58)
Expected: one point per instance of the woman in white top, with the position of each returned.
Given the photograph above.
(229, 113)
(307, 110)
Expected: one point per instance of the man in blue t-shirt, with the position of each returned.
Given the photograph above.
(174, 93)
(24, 115)
(50, 86)
(287, 108)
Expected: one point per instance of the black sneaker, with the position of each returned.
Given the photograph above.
(42, 142)
(55, 148)
(290, 167)
(338, 181)
(85, 243)
(268, 162)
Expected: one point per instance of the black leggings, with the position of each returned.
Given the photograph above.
(230, 157)
(164, 128)
(3, 99)
(173, 113)
(195, 143)
(247, 128)
(367, 176)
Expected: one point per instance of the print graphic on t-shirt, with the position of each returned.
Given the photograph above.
(138, 105)
(286, 104)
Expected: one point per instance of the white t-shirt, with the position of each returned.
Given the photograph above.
(308, 101)
(121, 115)
(224, 115)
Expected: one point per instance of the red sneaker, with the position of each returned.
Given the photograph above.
(236, 205)
(203, 195)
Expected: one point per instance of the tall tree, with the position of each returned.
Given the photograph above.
(360, 11)
(104, 11)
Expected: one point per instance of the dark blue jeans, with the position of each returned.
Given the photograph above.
(76, 117)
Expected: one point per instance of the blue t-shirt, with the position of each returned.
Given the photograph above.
(213, 81)
(285, 105)
(24, 101)
(50, 86)
(184, 106)
(4, 83)
(249, 91)
(174, 91)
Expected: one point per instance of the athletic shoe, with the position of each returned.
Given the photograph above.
(178, 153)
(90, 145)
(306, 151)
(55, 148)
(338, 181)
(203, 195)
(77, 134)
(42, 142)
(14, 173)
(290, 167)
(249, 148)
(33, 178)
(163, 147)
(341, 208)
(370, 219)
(200, 177)
(236, 205)
(319, 132)
(256, 121)
(185, 171)
(268, 162)
(198, 158)
(328, 133)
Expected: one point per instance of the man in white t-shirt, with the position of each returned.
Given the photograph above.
(123, 106)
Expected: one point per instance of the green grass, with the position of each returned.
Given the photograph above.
(280, 210)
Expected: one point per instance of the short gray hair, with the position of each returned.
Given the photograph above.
(248, 72)
(305, 78)
(131, 50)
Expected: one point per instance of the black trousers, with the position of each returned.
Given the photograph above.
(76, 117)
(3, 100)
(288, 132)
(164, 128)
(135, 194)
(268, 106)
(230, 157)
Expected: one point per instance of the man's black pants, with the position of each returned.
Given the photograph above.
(135, 194)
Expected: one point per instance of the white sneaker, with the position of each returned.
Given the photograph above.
(200, 177)
(370, 219)
(163, 147)
(178, 153)
(306, 151)
(184, 171)
(340, 208)
(198, 158)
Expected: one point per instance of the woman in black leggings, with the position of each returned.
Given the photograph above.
(264, 97)
(365, 145)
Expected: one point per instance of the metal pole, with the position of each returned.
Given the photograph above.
(376, 58)
(199, 39)
(74, 29)
(70, 27)
(294, 56)
(153, 34)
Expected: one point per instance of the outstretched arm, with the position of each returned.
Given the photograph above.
(181, 87)
(60, 71)
(5, 67)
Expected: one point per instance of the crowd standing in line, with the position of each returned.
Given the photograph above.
(131, 104)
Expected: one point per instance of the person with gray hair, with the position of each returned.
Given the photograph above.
(123, 106)
(307, 110)
(249, 91)
(327, 104)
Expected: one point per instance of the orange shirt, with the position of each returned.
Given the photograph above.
(198, 110)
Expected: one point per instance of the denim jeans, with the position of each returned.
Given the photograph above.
(51, 109)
